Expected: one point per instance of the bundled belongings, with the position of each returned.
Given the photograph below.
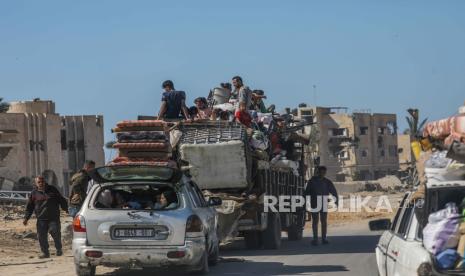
(449, 129)
(141, 125)
(440, 168)
(447, 259)
(442, 231)
(141, 136)
(143, 139)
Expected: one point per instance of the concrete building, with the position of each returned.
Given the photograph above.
(354, 146)
(35, 140)
(405, 153)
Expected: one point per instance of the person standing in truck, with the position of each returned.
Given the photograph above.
(318, 189)
(241, 92)
(173, 103)
(81, 183)
(45, 201)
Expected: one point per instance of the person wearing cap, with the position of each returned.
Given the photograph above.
(173, 103)
(203, 111)
(258, 104)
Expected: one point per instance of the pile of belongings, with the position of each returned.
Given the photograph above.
(142, 142)
(444, 237)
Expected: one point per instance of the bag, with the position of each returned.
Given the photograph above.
(442, 231)
(447, 259)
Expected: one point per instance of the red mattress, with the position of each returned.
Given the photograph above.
(164, 146)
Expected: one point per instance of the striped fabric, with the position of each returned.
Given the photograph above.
(118, 161)
(154, 146)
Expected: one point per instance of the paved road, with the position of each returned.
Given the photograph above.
(350, 252)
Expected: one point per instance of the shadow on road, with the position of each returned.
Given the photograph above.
(243, 268)
(235, 261)
(338, 245)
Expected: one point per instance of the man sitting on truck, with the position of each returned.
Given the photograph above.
(173, 103)
(319, 188)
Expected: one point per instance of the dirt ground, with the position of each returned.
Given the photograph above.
(19, 248)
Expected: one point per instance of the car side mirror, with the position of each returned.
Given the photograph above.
(215, 201)
(380, 224)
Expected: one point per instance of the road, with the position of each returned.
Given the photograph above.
(350, 252)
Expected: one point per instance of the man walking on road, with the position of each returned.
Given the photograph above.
(79, 186)
(319, 188)
(45, 201)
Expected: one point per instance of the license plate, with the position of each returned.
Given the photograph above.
(134, 233)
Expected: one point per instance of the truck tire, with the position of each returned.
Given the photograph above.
(272, 234)
(295, 233)
(252, 239)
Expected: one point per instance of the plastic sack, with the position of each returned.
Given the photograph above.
(259, 140)
(225, 107)
(447, 259)
(442, 231)
(438, 160)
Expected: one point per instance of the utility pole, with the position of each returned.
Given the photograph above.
(314, 95)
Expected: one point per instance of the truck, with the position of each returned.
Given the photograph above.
(218, 157)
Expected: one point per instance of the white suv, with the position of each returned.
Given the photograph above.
(145, 216)
(400, 250)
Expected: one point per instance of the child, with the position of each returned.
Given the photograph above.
(242, 115)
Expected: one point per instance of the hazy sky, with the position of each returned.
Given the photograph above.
(110, 57)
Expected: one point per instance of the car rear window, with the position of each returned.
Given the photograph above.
(137, 197)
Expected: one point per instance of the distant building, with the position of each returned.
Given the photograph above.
(356, 146)
(405, 154)
(35, 140)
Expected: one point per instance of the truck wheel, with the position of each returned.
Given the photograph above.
(252, 239)
(85, 270)
(295, 233)
(272, 234)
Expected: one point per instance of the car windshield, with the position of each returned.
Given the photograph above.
(137, 197)
(130, 173)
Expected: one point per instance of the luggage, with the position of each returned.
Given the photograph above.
(447, 259)
(442, 230)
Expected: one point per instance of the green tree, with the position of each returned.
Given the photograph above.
(4, 106)
(414, 127)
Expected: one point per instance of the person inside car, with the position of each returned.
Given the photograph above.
(169, 199)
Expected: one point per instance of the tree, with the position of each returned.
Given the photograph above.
(4, 106)
(414, 128)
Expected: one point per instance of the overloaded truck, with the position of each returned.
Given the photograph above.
(226, 160)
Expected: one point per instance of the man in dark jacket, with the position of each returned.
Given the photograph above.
(45, 201)
(173, 103)
(79, 186)
(319, 188)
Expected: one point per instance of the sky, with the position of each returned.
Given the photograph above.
(110, 57)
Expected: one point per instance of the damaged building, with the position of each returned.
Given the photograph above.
(355, 146)
(34, 140)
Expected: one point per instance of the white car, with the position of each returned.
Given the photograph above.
(400, 250)
(145, 216)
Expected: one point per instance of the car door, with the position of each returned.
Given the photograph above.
(205, 212)
(398, 247)
(386, 237)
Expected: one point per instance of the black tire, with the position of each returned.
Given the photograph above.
(214, 257)
(295, 233)
(252, 240)
(272, 234)
(85, 270)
